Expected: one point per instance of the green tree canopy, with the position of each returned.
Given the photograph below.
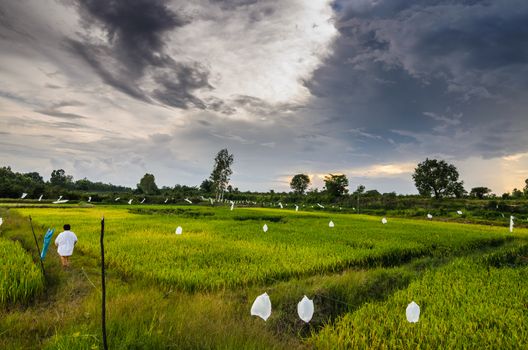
(299, 183)
(13, 184)
(147, 184)
(336, 185)
(438, 178)
(59, 178)
(516, 193)
(479, 192)
(206, 186)
(221, 172)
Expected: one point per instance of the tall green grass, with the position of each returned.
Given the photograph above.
(20, 278)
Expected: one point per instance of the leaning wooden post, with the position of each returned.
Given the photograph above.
(38, 248)
(103, 297)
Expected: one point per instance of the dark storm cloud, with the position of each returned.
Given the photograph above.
(135, 49)
(94, 55)
(437, 75)
(135, 28)
(178, 83)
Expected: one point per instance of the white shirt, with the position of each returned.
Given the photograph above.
(65, 242)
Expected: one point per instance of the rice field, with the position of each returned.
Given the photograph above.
(20, 278)
(195, 289)
(465, 304)
(226, 249)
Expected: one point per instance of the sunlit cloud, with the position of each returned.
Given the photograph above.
(356, 87)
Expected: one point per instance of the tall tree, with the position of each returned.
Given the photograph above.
(299, 183)
(437, 178)
(525, 190)
(336, 185)
(147, 184)
(221, 172)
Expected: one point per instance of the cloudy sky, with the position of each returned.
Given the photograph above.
(112, 89)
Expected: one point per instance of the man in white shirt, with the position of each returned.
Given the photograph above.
(65, 242)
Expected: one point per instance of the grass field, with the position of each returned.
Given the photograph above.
(195, 290)
(20, 279)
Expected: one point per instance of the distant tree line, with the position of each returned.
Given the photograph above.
(13, 184)
(434, 179)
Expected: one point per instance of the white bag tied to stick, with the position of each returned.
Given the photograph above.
(261, 307)
(384, 221)
(265, 228)
(179, 230)
(331, 224)
(305, 309)
(412, 312)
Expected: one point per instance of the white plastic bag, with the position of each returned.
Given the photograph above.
(412, 312)
(261, 307)
(305, 309)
